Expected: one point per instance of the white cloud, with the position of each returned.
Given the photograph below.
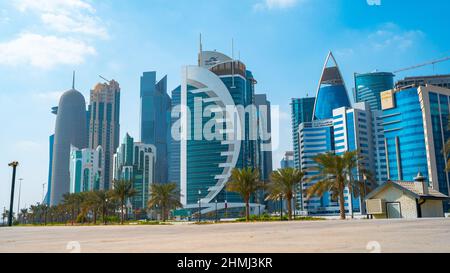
(44, 51)
(392, 36)
(66, 16)
(276, 4)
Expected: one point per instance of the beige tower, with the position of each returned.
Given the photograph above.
(104, 127)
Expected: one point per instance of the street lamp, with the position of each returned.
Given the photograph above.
(216, 212)
(295, 204)
(14, 165)
(199, 206)
(281, 207)
(20, 189)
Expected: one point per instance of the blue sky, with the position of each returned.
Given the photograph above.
(284, 43)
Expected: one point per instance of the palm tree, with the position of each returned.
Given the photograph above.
(164, 196)
(358, 176)
(104, 198)
(24, 215)
(283, 183)
(72, 201)
(334, 174)
(123, 189)
(245, 182)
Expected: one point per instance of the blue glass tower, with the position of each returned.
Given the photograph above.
(332, 93)
(155, 120)
(369, 86)
(415, 121)
(206, 162)
(301, 111)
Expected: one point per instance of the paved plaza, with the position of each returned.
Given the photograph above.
(424, 235)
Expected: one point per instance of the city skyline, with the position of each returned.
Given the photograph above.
(28, 142)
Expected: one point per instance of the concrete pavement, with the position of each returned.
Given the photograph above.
(423, 235)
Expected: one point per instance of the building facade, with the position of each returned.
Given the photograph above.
(288, 160)
(264, 146)
(85, 169)
(415, 121)
(213, 141)
(104, 126)
(336, 128)
(436, 80)
(368, 87)
(301, 111)
(70, 130)
(136, 162)
(155, 120)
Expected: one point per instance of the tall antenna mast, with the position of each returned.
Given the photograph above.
(73, 80)
(232, 64)
(200, 60)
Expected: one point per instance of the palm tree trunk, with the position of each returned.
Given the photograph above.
(289, 205)
(247, 209)
(342, 205)
(121, 211)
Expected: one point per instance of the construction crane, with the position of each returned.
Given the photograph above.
(104, 78)
(424, 64)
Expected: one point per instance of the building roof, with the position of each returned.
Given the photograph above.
(410, 188)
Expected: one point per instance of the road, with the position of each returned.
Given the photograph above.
(424, 235)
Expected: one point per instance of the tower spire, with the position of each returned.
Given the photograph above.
(73, 80)
(200, 59)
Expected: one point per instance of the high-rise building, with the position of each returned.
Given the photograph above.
(214, 142)
(70, 130)
(336, 128)
(85, 169)
(332, 92)
(368, 87)
(415, 123)
(301, 111)
(135, 161)
(104, 127)
(437, 80)
(174, 137)
(155, 120)
(51, 140)
(288, 160)
(263, 147)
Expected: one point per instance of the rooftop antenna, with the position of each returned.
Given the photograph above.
(232, 64)
(101, 77)
(73, 80)
(200, 61)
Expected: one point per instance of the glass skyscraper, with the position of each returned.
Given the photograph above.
(155, 120)
(415, 121)
(213, 143)
(301, 111)
(336, 128)
(135, 161)
(369, 86)
(332, 92)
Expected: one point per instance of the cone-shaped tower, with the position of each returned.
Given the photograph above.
(70, 129)
(331, 93)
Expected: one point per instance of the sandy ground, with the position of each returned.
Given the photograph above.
(424, 235)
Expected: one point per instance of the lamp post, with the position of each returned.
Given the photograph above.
(281, 207)
(216, 212)
(226, 209)
(14, 166)
(199, 206)
(18, 203)
(295, 204)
